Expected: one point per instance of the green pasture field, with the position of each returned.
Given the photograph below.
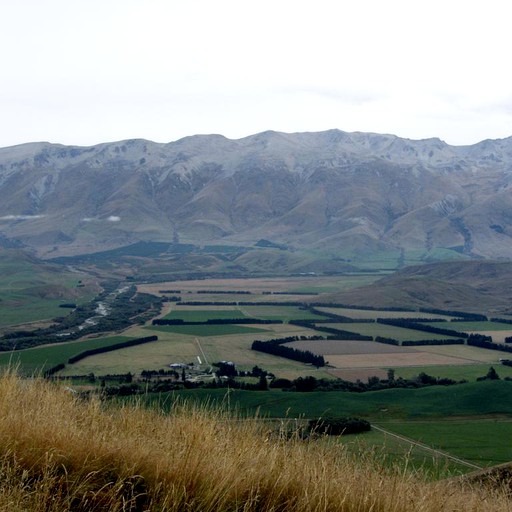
(429, 403)
(389, 451)
(27, 290)
(26, 305)
(360, 314)
(34, 360)
(202, 315)
(285, 313)
(206, 330)
(472, 326)
(27, 309)
(389, 331)
(468, 372)
(485, 442)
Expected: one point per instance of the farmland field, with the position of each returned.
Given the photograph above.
(278, 312)
(348, 347)
(206, 330)
(202, 315)
(397, 360)
(389, 331)
(173, 347)
(35, 360)
(285, 313)
(362, 314)
(465, 352)
(347, 359)
(299, 285)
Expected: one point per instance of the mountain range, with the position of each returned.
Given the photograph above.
(332, 192)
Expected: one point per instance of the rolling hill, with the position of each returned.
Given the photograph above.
(476, 286)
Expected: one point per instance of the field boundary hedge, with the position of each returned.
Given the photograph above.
(111, 348)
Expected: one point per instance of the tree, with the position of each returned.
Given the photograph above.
(492, 374)
(263, 384)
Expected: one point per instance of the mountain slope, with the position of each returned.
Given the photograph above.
(477, 286)
(341, 193)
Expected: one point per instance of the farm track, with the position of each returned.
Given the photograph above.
(202, 351)
(438, 453)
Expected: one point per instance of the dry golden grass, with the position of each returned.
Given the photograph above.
(61, 453)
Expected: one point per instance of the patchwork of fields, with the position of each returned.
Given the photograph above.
(203, 344)
(199, 344)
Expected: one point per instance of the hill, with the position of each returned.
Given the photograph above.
(62, 453)
(476, 286)
(330, 193)
(31, 289)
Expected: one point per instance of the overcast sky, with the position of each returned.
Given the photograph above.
(89, 71)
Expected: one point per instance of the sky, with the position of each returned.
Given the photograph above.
(83, 72)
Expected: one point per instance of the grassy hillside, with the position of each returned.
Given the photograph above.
(62, 453)
(32, 290)
(477, 286)
(463, 400)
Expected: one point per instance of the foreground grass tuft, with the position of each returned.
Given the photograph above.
(61, 453)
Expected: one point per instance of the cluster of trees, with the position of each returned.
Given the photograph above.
(242, 303)
(230, 292)
(229, 369)
(412, 343)
(332, 316)
(339, 334)
(479, 340)
(461, 316)
(337, 426)
(491, 375)
(502, 320)
(352, 306)
(290, 293)
(310, 383)
(276, 347)
(110, 348)
(449, 341)
(152, 374)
